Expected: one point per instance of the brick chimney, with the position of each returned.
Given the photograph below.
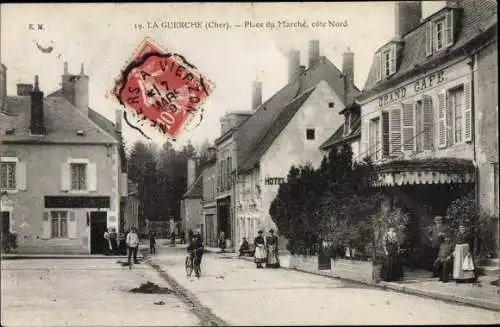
(118, 120)
(313, 52)
(37, 126)
(293, 64)
(408, 16)
(256, 94)
(75, 89)
(191, 171)
(348, 72)
(24, 89)
(3, 86)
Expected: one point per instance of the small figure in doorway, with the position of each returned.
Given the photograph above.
(222, 241)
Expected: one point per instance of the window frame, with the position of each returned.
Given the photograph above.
(9, 161)
(439, 21)
(452, 97)
(79, 179)
(58, 220)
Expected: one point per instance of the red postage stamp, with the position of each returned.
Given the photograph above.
(162, 88)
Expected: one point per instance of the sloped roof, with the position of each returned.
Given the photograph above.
(96, 117)
(339, 137)
(251, 136)
(281, 121)
(62, 120)
(477, 17)
(195, 191)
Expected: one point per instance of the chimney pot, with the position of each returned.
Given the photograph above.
(256, 94)
(408, 15)
(293, 64)
(82, 69)
(348, 72)
(66, 68)
(313, 52)
(118, 123)
(191, 171)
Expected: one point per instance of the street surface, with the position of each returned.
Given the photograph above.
(238, 293)
(85, 292)
(95, 292)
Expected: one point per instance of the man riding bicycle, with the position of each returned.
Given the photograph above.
(195, 247)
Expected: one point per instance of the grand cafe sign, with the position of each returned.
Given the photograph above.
(411, 89)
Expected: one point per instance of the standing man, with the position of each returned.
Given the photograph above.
(436, 235)
(133, 245)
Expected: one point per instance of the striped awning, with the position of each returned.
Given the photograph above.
(424, 171)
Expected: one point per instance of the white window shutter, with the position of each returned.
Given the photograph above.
(72, 225)
(378, 66)
(385, 134)
(449, 27)
(395, 130)
(428, 38)
(46, 233)
(21, 177)
(393, 59)
(442, 120)
(467, 112)
(408, 122)
(65, 176)
(92, 176)
(428, 123)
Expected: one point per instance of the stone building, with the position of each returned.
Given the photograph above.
(430, 110)
(61, 168)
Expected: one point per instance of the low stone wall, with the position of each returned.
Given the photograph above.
(362, 271)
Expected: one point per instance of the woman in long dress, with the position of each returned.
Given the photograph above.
(391, 268)
(461, 272)
(260, 250)
(272, 250)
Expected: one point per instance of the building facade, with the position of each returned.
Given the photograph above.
(287, 130)
(64, 206)
(428, 107)
(209, 203)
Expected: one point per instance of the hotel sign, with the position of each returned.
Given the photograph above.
(411, 89)
(274, 180)
(99, 202)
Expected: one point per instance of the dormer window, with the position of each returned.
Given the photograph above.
(80, 132)
(385, 61)
(439, 32)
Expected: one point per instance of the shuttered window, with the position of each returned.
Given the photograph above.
(468, 122)
(428, 122)
(374, 140)
(378, 66)
(428, 38)
(59, 224)
(442, 120)
(385, 133)
(456, 106)
(395, 130)
(78, 176)
(408, 127)
(419, 126)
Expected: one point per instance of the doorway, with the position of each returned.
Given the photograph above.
(5, 222)
(98, 225)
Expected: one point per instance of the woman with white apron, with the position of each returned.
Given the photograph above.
(260, 250)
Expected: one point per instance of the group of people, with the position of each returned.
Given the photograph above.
(113, 242)
(451, 254)
(128, 243)
(266, 250)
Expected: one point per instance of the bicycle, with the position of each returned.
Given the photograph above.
(193, 264)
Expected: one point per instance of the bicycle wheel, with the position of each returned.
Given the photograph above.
(197, 268)
(189, 267)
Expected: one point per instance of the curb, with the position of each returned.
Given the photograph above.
(207, 317)
(408, 290)
(440, 296)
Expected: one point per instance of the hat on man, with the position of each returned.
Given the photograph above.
(271, 231)
(260, 232)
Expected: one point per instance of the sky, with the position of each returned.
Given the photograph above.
(103, 37)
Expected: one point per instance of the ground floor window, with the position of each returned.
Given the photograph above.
(59, 223)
